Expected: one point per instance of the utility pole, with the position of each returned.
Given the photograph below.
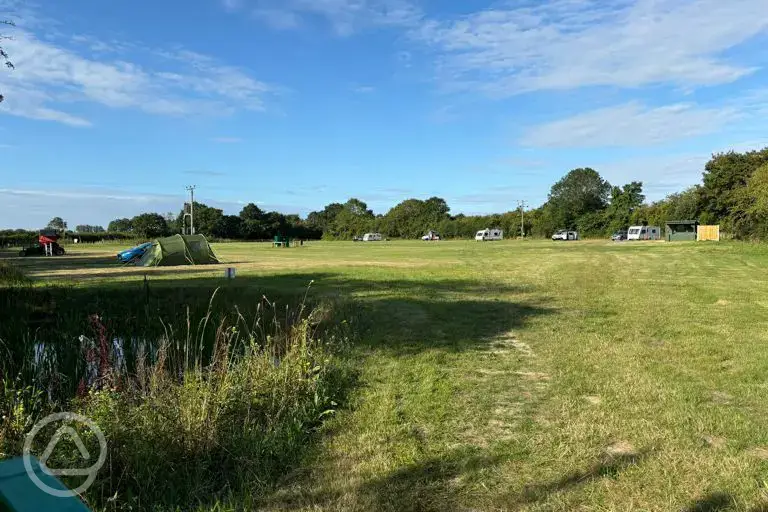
(191, 214)
(522, 205)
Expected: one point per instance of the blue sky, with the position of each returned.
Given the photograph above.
(115, 106)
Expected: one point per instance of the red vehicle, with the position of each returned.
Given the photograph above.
(38, 248)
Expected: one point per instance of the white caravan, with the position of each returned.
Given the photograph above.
(489, 234)
(644, 233)
(564, 234)
(372, 237)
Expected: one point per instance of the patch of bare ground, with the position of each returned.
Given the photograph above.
(715, 442)
(620, 449)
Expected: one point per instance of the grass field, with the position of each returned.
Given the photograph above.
(518, 375)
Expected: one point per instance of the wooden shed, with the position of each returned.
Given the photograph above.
(679, 230)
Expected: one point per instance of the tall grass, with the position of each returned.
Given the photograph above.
(196, 406)
(12, 276)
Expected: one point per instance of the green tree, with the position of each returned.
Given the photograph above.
(406, 220)
(579, 192)
(251, 212)
(120, 226)
(725, 175)
(354, 219)
(205, 218)
(228, 226)
(624, 201)
(253, 227)
(750, 215)
(325, 219)
(87, 228)
(149, 225)
(57, 224)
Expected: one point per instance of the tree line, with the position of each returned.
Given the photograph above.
(252, 223)
(733, 193)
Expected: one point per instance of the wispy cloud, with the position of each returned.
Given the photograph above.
(51, 79)
(630, 124)
(563, 44)
(363, 89)
(345, 16)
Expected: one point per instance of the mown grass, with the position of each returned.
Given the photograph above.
(518, 375)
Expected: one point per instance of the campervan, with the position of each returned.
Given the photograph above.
(489, 234)
(644, 233)
(372, 237)
(564, 234)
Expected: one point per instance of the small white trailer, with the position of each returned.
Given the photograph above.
(489, 235)
(372, 237)
(644, 233)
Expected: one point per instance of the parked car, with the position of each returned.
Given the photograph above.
(565, 234)
(372, 237)
(134, 253)
(618, 236)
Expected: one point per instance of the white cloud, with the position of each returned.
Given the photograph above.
(630, 124)
(363, 89)
(563, 44)
(345, 16)
(48, 79)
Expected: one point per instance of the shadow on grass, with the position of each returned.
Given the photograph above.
(447, 483)
(720, 502)
(399, 316)
(608, 467)
(403, 315)
(714, 502)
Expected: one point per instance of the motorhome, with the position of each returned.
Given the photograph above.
(564, 234)
(489, 234)
(372, 237)
(644, 233)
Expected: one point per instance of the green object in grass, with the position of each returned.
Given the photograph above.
(18, 493)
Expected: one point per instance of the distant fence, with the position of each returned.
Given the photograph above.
(708, 233)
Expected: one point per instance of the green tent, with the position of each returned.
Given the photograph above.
(178, 250)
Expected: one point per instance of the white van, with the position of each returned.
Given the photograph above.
(372, 237)
(489, 234)
(564, 234)
(644, 233)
